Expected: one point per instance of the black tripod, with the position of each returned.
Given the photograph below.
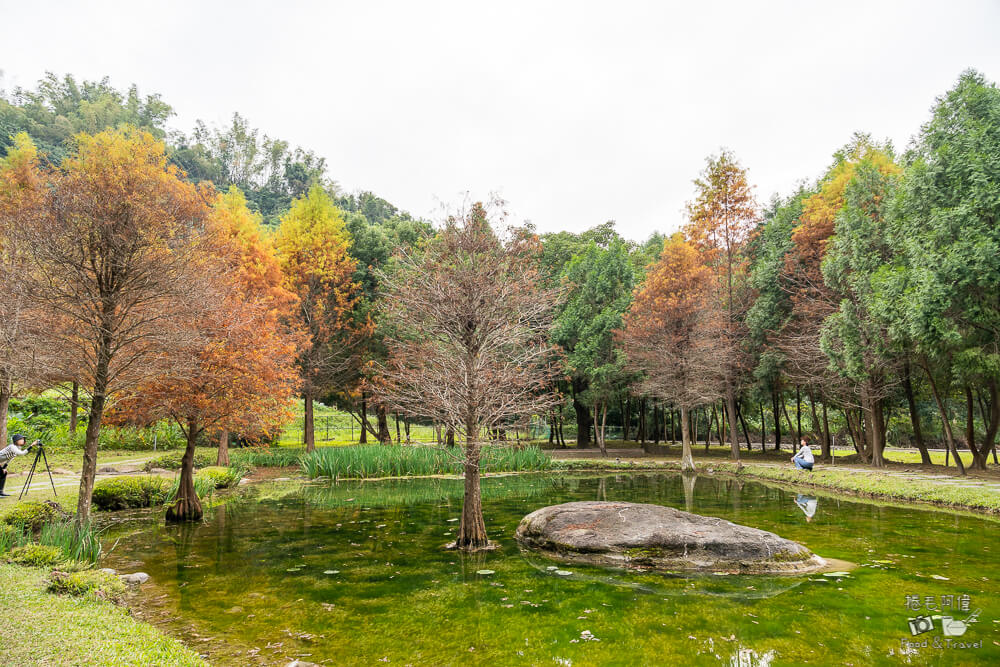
(31, 473)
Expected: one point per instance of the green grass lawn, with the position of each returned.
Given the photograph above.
(48, 629)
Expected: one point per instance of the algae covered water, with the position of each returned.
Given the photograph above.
(355, 573)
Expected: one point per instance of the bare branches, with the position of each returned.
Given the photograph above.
(468, 328)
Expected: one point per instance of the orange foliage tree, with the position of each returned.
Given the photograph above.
(115, 237)
(19, 189)
(670, 335)
(812, 299)
(243, 377)
(722, 217)
(312, 245)
(256, 272)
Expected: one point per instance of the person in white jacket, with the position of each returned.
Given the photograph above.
(8, 453)
(803, 458)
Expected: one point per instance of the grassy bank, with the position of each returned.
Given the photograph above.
(868, 483)
(49, 629)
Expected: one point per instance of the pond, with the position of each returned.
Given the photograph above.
(355, 573)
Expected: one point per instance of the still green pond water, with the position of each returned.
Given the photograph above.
(356, 574)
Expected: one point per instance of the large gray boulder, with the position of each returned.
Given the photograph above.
(652, 537)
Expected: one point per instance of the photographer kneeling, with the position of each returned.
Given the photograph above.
(9, 452)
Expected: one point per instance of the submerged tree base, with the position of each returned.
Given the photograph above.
(489, 546)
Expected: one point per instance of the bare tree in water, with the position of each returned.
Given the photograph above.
(469, 346)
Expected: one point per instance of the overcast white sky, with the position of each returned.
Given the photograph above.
(575, 112)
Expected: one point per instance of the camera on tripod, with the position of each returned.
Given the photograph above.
(40, 454)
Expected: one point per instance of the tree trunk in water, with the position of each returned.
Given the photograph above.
(918, 435)
(309, 424)
(384, 437)
(449, 437)
(186, 506)
(363, 438)
(946, 423)
(74, 410)
(406, 429)
(688, 479)
(98, 398)
(687, 458)
(734, 438)
(472, 528)
(223, 458)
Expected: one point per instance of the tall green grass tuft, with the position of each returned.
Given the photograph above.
(82, 544)
(203, 487)
(265, 457)
(369, 461)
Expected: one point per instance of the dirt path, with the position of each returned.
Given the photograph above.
(63, 479)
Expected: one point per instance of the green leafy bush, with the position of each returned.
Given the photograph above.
(93, 583)
(35, 555)
(36, 414)
(119, 493)
(172, 461)
(221, 477)
(31, 515)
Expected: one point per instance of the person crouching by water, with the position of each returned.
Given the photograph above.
(8, 453)
(803, 459)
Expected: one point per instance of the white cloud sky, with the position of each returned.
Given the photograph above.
(575, 112)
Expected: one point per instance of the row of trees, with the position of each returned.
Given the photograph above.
(872, 290)
(166, 299)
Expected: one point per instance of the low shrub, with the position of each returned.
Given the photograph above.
(119, 493)
(91, 583)
(222, 478)
(172, 461)
(35, 555)
(32, 515)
